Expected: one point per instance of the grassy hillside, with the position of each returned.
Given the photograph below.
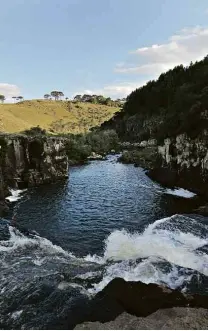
(54, 116)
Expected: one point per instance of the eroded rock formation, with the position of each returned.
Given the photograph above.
(183, 161)
(30, 161)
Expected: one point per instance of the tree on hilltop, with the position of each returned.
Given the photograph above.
(55, 94)
(19, 98)
(46, 96)
(61, 94)
(78, 97)
(2, 98)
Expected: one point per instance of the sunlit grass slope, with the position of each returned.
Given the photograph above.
(54, 116)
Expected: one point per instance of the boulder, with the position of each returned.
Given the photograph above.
(95, 156)
(141, 299)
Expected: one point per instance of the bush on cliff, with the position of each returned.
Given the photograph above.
(35, 131)
(79, 147)
(143, 157)
(77, 150)
(102, 142)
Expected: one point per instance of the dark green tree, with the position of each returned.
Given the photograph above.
(55, 94)
(60, 94)
(2, 98)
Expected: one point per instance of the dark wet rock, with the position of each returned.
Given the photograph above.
(140, 299)
(165, 176)
(203, 210)
(4, 208)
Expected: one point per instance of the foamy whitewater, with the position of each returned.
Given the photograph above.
(180, 192)
(134, 256)
(164, 240)
(15, 195)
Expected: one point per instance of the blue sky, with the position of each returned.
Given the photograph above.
(96, 46)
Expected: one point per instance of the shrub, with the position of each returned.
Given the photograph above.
(35, 131)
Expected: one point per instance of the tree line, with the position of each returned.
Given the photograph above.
(59, 95)
(99, 99)
(54, 94)
(95, 99)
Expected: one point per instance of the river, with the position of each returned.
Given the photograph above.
(71, 238)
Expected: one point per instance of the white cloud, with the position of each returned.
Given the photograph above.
(122, 89)
(119, 90)
(191, 44)
(9, 90)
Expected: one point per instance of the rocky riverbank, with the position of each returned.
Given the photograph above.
(178, 162)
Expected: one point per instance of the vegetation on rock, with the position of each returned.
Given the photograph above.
(35, 131)
(80, 147)
(143, 157)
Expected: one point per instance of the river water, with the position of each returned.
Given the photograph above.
(71, 238)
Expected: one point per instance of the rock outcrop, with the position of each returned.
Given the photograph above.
(183, 162)
(142, 299)
(137, 299)
(31, 161)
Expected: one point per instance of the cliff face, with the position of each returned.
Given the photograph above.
(30, 161)
(183, 161)
(134, 128)
(186, 153)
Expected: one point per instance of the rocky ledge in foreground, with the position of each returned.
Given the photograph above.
(163, 319)
(141, 300)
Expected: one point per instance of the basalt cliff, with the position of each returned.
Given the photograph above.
(183, 162)
(30, 161)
